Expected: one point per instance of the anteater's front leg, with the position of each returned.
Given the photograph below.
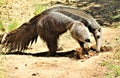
(84, 48)
(81, 44)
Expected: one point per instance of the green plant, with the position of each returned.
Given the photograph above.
(2, 26)
(13, 25)
(39, 8)
(113, 66)
(116, 17)
(114, 71)
(104, 63)
(2, 2)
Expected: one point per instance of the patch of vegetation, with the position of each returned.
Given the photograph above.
(2, 2)
(104, 63)
(116, 17)
(2, 26)
(39, 8)
(12, 25)
(113, 66)
(114, 71)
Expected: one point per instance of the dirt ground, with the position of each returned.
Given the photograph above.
(33, 63)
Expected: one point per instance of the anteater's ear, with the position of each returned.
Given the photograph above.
(99, 29)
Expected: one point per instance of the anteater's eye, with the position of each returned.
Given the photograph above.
(98, 37)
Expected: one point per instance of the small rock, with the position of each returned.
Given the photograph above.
(16, 67)
(109, 48)
(34, 74)
(25, 64)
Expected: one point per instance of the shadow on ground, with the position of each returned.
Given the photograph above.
(70, 54)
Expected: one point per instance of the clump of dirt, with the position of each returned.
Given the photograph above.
(89, 52)
(106, 48)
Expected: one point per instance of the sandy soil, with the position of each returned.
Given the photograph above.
(34, 64)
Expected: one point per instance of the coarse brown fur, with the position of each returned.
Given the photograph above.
(49, 25)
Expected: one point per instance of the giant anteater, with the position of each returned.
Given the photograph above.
(49, 25)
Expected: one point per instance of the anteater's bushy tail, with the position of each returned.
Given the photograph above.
(1, 37)
(20, 38)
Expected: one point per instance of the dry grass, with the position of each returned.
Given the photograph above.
(19, 10)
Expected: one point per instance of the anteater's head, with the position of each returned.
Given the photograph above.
(80, 32)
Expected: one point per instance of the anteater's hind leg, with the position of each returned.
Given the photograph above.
(52, 45)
